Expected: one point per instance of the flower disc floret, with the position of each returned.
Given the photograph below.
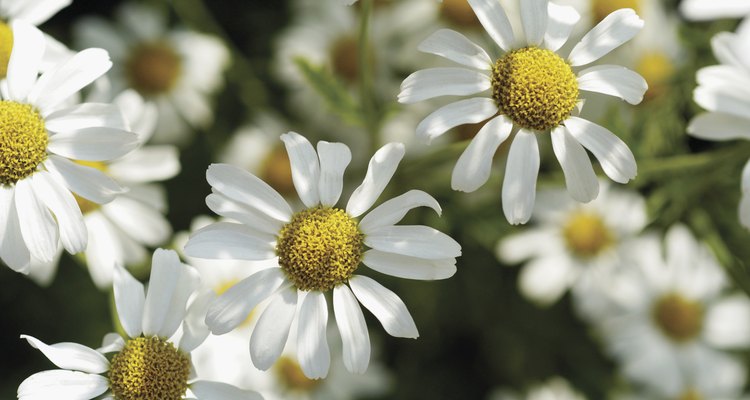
(678, 318)
(149, 368)
(6, 46)
(586, 235)
(153, 68)
(23, 141)
(535, 87)
(320, 248)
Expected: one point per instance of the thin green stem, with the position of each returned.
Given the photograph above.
(688, 162)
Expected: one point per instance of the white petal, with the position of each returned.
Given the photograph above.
(614, 30)
(461, 112)
(385, 305)
(112, 342)
(703, 10)
(435, 82)
(138, 220)
(312, 345)
(251, 217)
(93, 144)
(129, 301)
(87, 182)
(408, 267)
(272, 329)
(305, 167)
(473, 167)
(104, 250)
(25, 60)
(37, 12)
(207, 390)
(562, 20)
(521, 169)
(580, 178)
(86, 115)
(62, 384)
(60, 201)
(147, 164)
(613, 80)
(393, 210)
(353, 330)
(494, 20)
(227, 240)
(246, 188)
(13, 249)
(456, 47)
(55, 86)
(516, 248)
(534, 19)
(194, 329)
(545, 280)
(72, 356)
(227, 311)
(727, 323)
(719, 126)
(169, 287)
(97, 32)
(729, 101)
(380, 170)
(38, 227)
(413, 240)
(334, 158)
(613, 154)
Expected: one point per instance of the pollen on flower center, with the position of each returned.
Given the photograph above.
(535, 87)
(153, 68)
(586, 235)
(6, 45)
(291, 376)
(601, 8)
(678, 318)
(149, 369)
(23, 141)
(320, 248)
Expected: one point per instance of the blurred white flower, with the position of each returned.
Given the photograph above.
(702, 10)
(553, 389)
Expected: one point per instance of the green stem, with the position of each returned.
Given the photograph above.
(370, 117)
(687, 162)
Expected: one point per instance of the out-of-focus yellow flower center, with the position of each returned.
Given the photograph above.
(459, 13)
(535, 87)
(657, 69)
(344, 59)
(86, 205)
(690, 394)
(320, 248)
(6, 46)
(153, 68)
(678, 318)
(586, 235)
(276, 170)
(149, 369)
(23, 141)
(291, 376)
(601, 8)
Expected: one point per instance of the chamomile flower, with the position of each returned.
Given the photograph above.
(553, 389)
(317, 250)
(532, 91)
(703, 10)
(39, 141)
(153, 360)
(572, 243)
(176, 69)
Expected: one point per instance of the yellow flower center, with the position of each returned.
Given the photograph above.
(149, 369)
(320, 248)
(678, 318)
(291, 376)
(586, 235)
(276, 170)
(86, 205)
(690, 394)
(6, 45)
(657, 69)
(459, 13)
(23, 141)
(601, 8)
(535, 87)
(153, 68)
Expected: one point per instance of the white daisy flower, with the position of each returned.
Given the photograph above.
(703, 10)
(724, 90)
(553, 389)
(39, 140)
(534, 90)
(668, 320)
(153, 360)
(176, 69)
(317, 250)
(572, 243)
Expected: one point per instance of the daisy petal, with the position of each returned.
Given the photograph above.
(545, 280)
(140, 221)
(473, 167)
(194, 329)
(147, 164)
(408, 267)
(253, 219)
(614, 30)
(37, 12)
(613, 80)
(312, 346)
(461, 112)
(208, 390)
(380, 170)
(60, 201)
(727, 323)
(413, 240)
(580, 178)
(86, 115)
(38, 227)
(534, 18)
(246, 188)
(353, 330)
(93, 144)
(385, 305)
(129, 301)
(13, 250)
(227, 311)
(702, 10)
(613, 154)
(456, 47)
(719, 126)
(23, 66)
(562, 20)
(169, 287)
(72, 356)
(494, 20)
(87, 182)
(334, 158)
(62, 384)
(305, 167)
(272, 329)
(519, 186)
(112, 342)
(393, 210)
(732, 101)
(435, 82)
(228, 240)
